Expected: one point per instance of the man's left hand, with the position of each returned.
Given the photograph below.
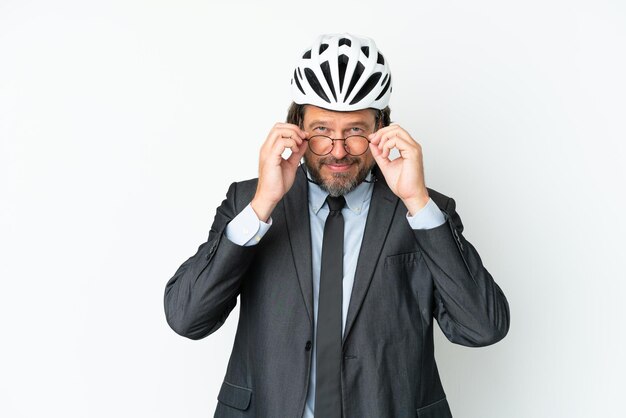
(405, 174)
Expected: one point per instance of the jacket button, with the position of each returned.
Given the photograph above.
(307, 347)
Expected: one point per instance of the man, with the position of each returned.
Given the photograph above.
(341, 264)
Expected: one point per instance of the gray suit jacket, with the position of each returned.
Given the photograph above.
(404, 279)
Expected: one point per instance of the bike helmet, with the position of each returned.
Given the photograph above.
(342, 72)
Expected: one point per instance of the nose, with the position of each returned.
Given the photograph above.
(339, 150)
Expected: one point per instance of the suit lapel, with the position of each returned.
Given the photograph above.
(299, 229)
(382, 208)
(379, 217)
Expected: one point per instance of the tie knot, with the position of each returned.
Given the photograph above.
(335, 204)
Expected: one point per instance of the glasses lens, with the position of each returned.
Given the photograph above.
(356, 144)
(320, 144)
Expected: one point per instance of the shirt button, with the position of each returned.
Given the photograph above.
(307, 347)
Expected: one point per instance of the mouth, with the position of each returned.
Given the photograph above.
(337, 166)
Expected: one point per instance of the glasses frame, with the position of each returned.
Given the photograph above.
(333, 144)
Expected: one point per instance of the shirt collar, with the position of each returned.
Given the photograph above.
(354, 199)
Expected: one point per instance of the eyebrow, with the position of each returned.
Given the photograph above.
(359, 123)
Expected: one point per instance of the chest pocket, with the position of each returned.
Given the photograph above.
(401, 273)
(405, 259)
(409, 272)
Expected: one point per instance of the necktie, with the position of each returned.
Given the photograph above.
(328, 377)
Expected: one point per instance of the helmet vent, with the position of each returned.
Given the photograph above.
(345, 41)
(297, 82)
(358, 71)
(307, 54)
(315, 84)
(329, 79)
(323, 47)
(367, 87)
(366, 51)
(381, 59)
(382, 93)
(343, 63)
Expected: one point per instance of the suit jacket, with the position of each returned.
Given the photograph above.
(404, 279)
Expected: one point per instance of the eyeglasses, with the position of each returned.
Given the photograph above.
(354, 145)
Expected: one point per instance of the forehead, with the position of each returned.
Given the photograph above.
(314, 113)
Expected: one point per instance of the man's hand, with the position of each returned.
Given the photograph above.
(276, 174)
(404, 175)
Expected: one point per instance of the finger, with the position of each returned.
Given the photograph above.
(377, 136)
(406, 148)
(398, 133)
(387, 146)
(289, 133)
(282, 144)
(277, 133)
(290, 126)
(406, 143)
(296, 155)
(390, 144)
(377, 154)
(280, 135)
(380, 135)
(383, 139)
(383, 131)
(386, 138)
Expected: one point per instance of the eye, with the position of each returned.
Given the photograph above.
(356, 130)
(321, 129)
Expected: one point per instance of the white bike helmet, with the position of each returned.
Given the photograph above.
(342, 72)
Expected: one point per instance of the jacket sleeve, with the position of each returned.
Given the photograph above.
(204, 289)
(470, 307)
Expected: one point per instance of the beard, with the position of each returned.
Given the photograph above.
(340, 183)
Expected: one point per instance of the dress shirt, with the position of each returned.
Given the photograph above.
(246, 229)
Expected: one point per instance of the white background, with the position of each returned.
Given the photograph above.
(123, 122)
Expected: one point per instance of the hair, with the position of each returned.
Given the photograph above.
(295, 115)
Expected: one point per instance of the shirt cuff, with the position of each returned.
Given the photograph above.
(430, 216)
(246, 228)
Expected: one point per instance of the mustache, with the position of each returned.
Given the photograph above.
(332, 160)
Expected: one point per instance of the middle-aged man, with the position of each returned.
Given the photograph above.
(341, 264)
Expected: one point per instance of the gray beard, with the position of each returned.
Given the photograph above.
(342, 183)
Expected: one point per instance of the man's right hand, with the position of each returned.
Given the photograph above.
(277, 174)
